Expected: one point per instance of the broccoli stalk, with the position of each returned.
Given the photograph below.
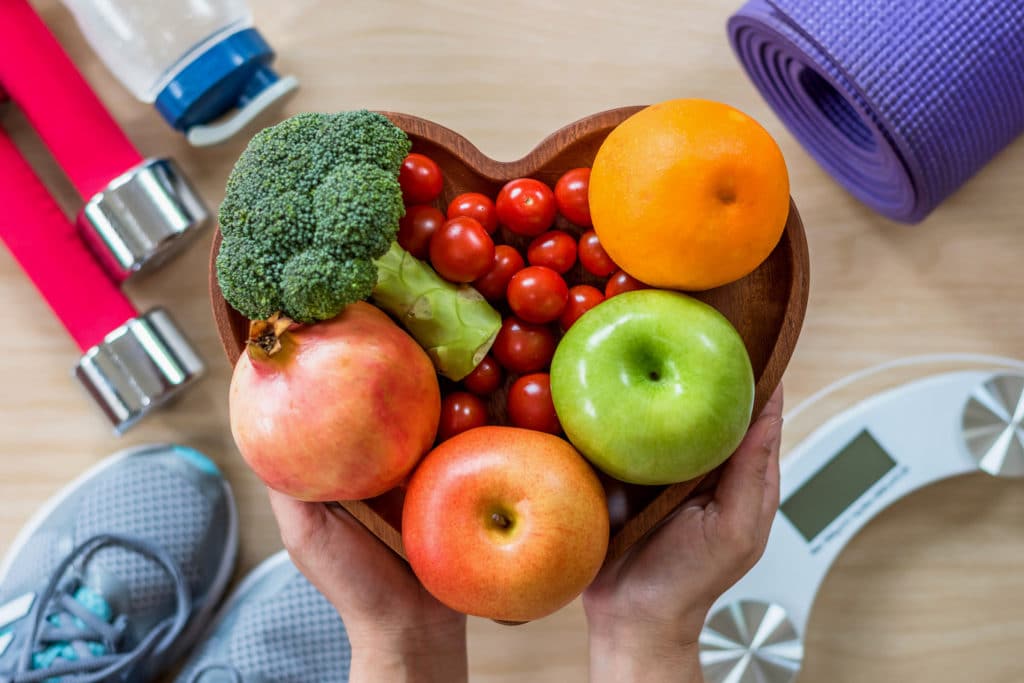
(309, 221)
(450, 326)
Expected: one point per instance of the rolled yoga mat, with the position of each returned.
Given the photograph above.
(900, 100)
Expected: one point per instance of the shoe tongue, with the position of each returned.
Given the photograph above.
(108, 587)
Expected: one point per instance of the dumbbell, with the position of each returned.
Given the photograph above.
(137, 213)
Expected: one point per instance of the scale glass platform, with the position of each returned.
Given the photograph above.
(926, 419)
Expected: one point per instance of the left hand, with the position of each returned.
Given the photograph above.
(646, 609)
(398, 631)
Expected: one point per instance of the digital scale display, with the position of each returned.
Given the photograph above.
(835, 487)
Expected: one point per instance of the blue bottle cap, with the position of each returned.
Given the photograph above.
(229, 75)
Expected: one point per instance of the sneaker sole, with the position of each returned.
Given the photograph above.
(220, 580)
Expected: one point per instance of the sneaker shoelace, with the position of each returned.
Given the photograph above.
(62, 618)
(236, 677)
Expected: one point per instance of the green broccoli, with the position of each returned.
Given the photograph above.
(309, 221)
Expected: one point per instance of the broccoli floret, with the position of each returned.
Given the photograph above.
(356, 211)
(308, 207)
(319, 284)
(247, 279)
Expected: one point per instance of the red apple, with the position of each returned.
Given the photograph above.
(505, 523)
(343, 410)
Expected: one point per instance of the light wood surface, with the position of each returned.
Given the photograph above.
(932, 590)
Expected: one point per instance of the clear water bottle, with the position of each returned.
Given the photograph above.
(201, 62)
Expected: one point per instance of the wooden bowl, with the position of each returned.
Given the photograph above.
(767, 306)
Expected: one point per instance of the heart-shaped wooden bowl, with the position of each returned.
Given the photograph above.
(767, 306)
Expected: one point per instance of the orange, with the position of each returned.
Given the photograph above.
(689, 194)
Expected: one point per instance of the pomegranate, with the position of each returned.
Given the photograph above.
(339, 410)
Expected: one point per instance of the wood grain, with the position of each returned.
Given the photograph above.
(929, 592)
(767, 307)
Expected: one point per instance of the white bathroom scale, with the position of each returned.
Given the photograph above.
(856, 464)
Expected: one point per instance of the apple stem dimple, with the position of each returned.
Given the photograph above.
(653, 374)
(501, 520)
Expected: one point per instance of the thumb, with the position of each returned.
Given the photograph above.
(748, 476)
(304, 528)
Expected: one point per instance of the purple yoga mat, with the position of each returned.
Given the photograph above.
(900, 100)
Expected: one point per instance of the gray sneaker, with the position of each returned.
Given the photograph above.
(114, 577)
(275, 627)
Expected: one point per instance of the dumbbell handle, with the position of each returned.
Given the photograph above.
(48, 248)
(69, 117)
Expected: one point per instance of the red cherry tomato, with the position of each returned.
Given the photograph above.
(461, 250)
(537, 294)
(475, 205)
(571, 192)
(593, 256)
(522, 347)
(526, 206)
(420, 178)
(554, 249)
(622, 282)
(416, 228)
(581, 299)
(460, 411)
(485, 378)
(506, 263)
(530, 405)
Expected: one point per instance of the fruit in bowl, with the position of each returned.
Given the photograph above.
(654, 387)
(533, 228)
(505, 523)
(689, 194)
(294, 419)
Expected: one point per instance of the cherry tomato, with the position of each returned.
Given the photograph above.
(485, 378)
(416, 228)
(460, 411)
(522, 347)
(622, 282)
(506, 263)
(475, 205)
(571, 192)
(530, 405)
(461, 250)
(554, 249)
(537, 294)
(593, 256)
(526, 206)
(420, 179)
(581, 299)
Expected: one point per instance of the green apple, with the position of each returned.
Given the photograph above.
(653, 387)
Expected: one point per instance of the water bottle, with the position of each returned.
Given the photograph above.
(201, 62)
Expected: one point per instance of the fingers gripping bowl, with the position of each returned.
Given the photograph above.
(766, 307)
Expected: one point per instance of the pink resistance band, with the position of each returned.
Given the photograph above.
(48, 247)
(38, 75)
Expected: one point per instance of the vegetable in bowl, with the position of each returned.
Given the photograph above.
(309, 221)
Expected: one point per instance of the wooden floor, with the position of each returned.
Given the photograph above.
(931, 591)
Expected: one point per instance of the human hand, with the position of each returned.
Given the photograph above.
(646, 609)
(397, 630)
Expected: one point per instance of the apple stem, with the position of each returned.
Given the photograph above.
(500, 519)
